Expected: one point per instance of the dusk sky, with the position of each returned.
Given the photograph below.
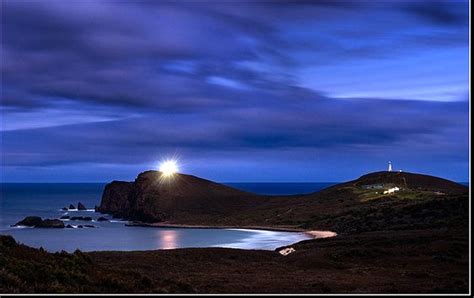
(247, 91)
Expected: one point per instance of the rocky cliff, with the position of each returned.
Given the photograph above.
(152, 198)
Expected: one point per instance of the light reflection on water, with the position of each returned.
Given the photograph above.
(168, 239)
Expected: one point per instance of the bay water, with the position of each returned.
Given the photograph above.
(46, 200)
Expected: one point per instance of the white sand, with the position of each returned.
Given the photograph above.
(321, 234)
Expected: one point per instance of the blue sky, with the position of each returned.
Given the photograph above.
(238, 91)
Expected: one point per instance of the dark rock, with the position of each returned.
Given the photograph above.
(69, 227)
(89, 226)
(116, 198)
(65, 217)
(80, 206)
(51, 223)
(72, 206)
(64, 209)
(85, 218)
(102, 219)
(30, 221)
(80, 226)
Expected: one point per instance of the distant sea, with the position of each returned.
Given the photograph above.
(285, 188)
(18, 200)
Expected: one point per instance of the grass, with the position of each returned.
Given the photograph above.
(403, 194)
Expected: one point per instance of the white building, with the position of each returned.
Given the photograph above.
(391, 190)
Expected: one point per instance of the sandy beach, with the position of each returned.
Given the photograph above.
(313, 233)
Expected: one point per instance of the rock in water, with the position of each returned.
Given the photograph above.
(80, 206)
(86, 218)
(102, 219)
(72, 206)
(64, 209)
(29, 221)
(51, 223)
(37, 222)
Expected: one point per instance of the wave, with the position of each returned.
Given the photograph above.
(263, 239)
(21, 227)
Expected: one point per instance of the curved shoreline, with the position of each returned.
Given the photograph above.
(312, 233)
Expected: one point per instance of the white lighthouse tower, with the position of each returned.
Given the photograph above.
(389, 166)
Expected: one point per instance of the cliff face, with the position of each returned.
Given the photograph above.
(152, 198)
(116, 198)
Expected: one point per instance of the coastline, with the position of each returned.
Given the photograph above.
(315, 234)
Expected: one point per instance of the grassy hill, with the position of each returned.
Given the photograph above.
(354, 206)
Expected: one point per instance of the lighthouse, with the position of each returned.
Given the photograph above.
(389, 166)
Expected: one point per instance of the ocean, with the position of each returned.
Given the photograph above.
(18, 200)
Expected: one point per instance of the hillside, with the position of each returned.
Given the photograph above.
(151, 198)
(407, 180)
(353, 206)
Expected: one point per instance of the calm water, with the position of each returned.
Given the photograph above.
(46, 200)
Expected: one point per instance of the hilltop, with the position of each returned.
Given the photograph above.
(407, 180)
(152, 198)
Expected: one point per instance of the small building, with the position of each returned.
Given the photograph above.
(372, 186)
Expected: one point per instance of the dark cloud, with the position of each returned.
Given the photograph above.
(115, 52)
(452, 13)
(330, 125)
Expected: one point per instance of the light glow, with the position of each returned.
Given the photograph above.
(168, 168)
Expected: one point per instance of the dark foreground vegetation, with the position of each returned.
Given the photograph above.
(28, 270)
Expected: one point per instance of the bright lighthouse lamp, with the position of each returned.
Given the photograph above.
(168, 168)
